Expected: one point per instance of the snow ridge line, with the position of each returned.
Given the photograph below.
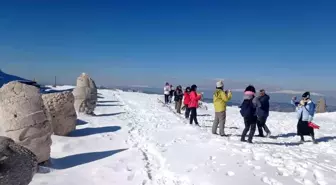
(139, 137)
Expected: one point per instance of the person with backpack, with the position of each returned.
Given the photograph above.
(220, 99)
(178, 96)
(186, 100)
(305, 113)
(262, 113)
(171, 93)
(248, 112)
(166, 92)
(193, 104)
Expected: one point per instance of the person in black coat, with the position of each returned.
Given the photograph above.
(178, 96)
(248, 112)
(262, 113)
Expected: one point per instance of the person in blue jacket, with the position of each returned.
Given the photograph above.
(305, 113)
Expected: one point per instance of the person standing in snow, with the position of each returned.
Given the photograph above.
(171, 93)
(178, 96)
(305, 113)
(220, 99)
(262, 113)
(186, 100)
(193, 104)
(166, 92)
(248, 112)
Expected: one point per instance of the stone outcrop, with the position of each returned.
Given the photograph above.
(61, 112)
(321, 106)
(23, 118)
(18, 164)
(85, 94)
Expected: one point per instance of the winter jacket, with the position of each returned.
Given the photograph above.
(263, 106)
(194, 98)
(166, 90)
(220, 98)
(186, 97)
(178, 95)
(307, 111)
(249, 104)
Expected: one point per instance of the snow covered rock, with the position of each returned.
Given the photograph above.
(17, 164)
(321, 106)
(62, 113)
(85, 94)
(23, 118)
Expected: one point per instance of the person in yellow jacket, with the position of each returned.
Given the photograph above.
(220, 99)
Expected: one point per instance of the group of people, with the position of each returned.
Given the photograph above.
(254, 109)
(190, 99)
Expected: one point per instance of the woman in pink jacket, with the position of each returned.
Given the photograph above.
(193, 104)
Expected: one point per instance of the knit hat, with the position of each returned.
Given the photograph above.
(220, 84)
(306, 95)
(250, 88)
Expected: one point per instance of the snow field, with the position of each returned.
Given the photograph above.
(134, 139)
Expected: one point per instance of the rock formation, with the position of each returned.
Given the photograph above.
(85, 94)
(23, 118)
(321, 106)
(62, 113)
(17, 164)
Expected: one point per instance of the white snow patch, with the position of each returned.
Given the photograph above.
(134, 139)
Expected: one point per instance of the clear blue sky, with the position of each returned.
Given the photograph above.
(291, 44)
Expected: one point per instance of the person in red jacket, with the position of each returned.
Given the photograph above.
(193, 104)
(186, 101)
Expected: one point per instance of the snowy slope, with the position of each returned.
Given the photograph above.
(136, 140)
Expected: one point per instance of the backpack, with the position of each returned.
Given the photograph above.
(247, 108)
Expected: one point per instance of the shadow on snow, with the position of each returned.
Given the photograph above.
(107, 101)
(81, 122)
(112, 114)
(109, 105)
(80, 159)
(92, 131)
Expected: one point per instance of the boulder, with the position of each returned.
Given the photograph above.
(18, 164)
(85, 94)
(321, 106)
(23, 118)
(61, 112)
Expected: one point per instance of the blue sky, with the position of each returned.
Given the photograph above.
(290, 44)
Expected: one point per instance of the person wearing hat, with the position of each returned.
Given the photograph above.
(193, 104)
(220, 99)
(262, 113)
(305, 113)
(248, 111)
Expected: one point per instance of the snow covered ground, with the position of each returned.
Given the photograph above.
(136, 140)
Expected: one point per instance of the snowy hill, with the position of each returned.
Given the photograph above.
(135, 140)
(5, 78)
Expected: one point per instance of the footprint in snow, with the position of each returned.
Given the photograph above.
(230, 173)
(271, 181)
(319, 177)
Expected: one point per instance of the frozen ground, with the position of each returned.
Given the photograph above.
(134, 139)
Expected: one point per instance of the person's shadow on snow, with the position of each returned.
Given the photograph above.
(80, 159)
(92, 131)
(279, 144)
(326, 139)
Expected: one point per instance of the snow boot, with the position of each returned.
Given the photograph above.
(268, 134)
(250, 141)
(302, 139)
